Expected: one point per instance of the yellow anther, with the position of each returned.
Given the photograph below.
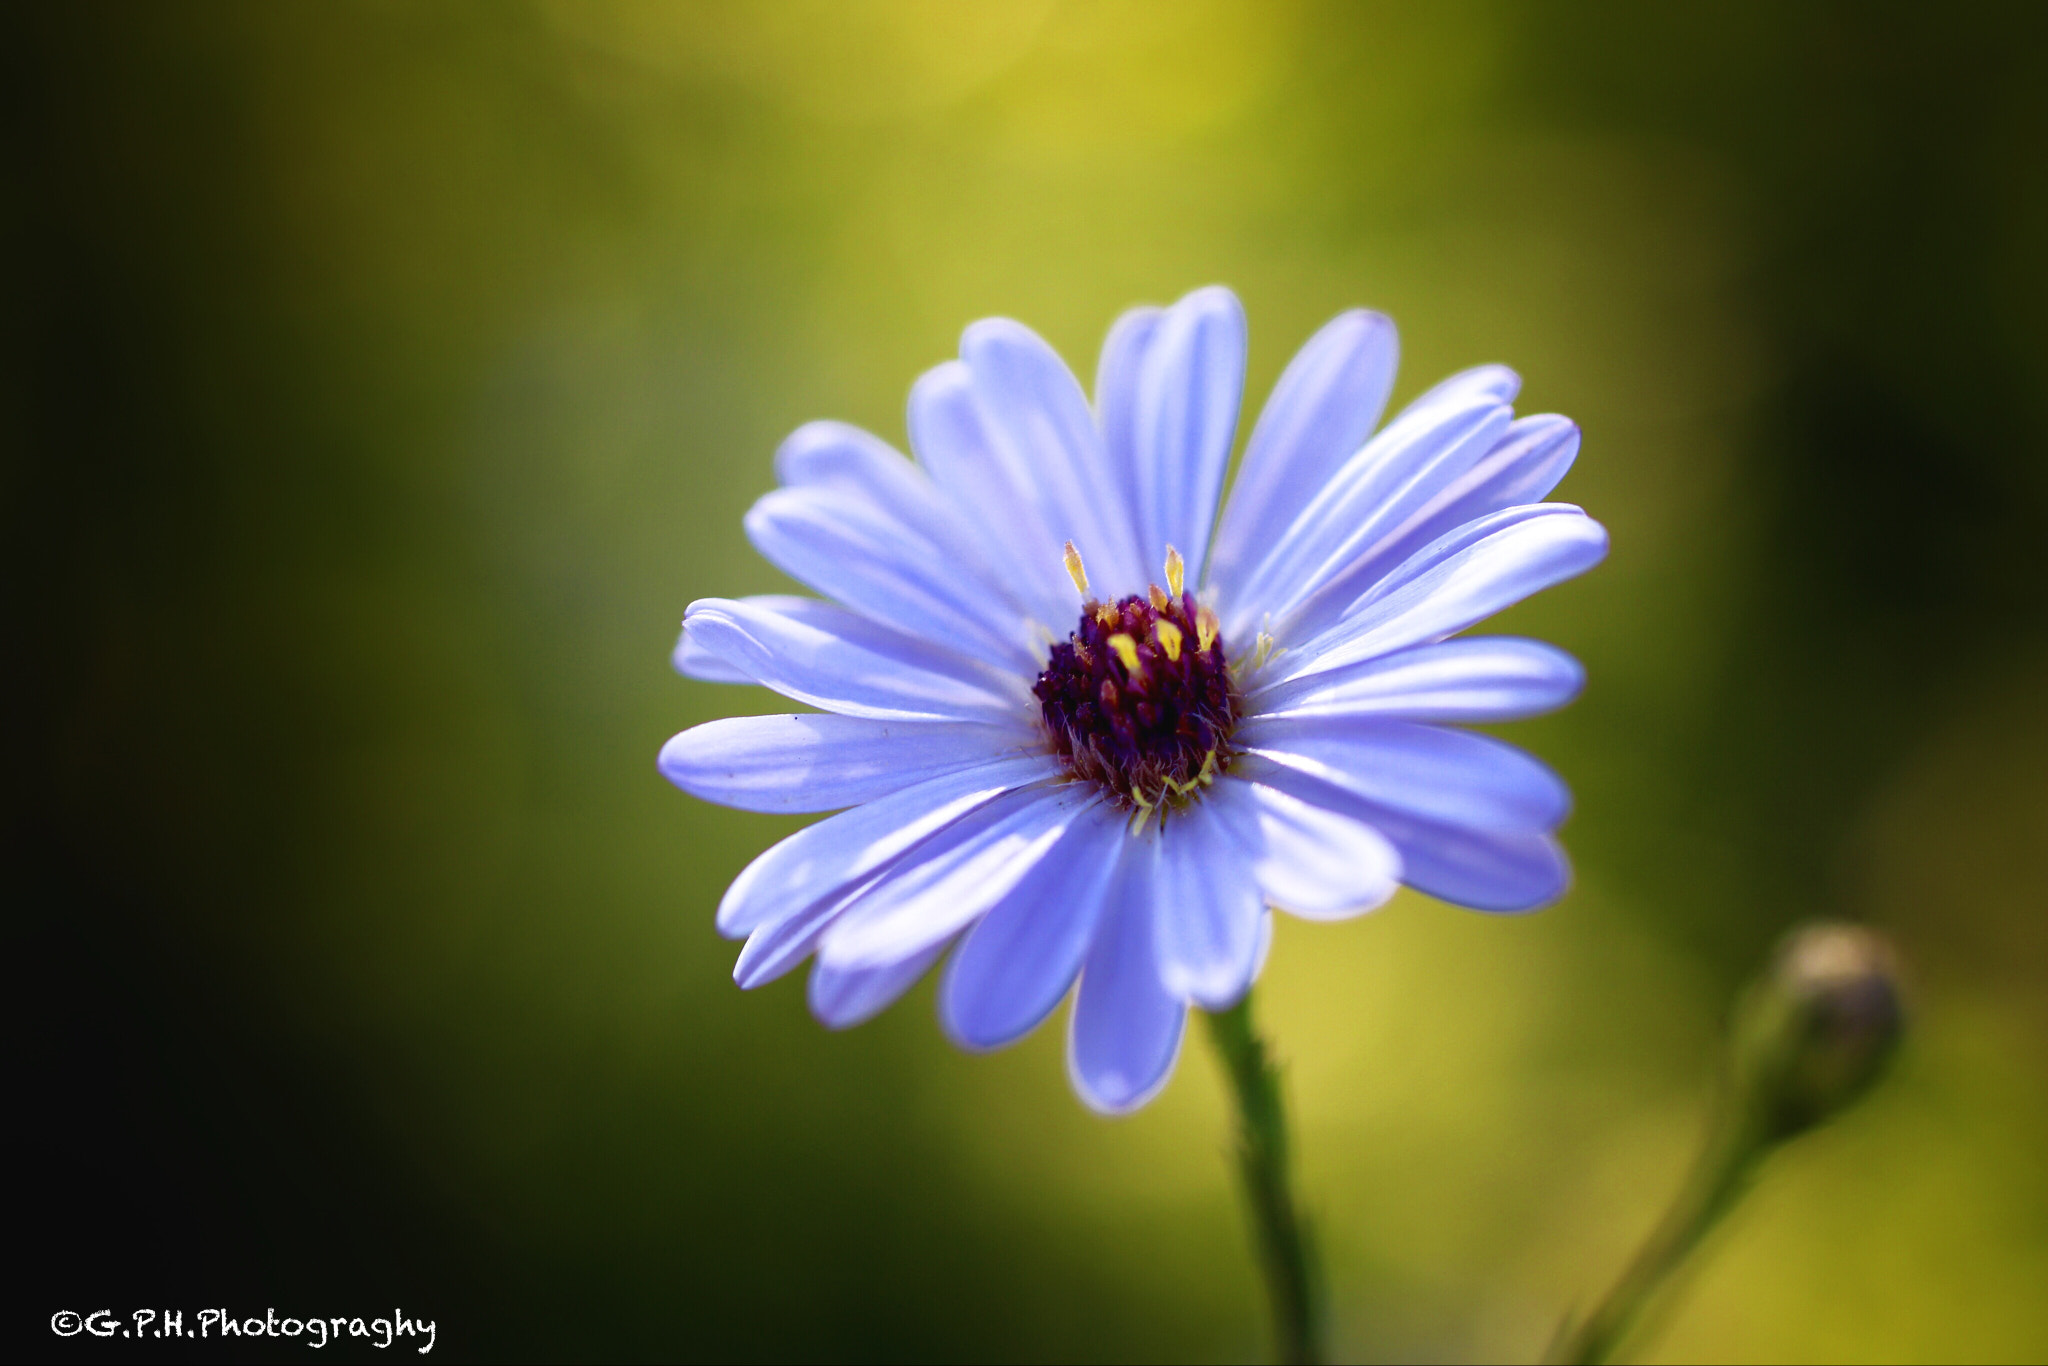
(1142, 813)
(1169, 639)
(1159, 598)
(1126, 650)
(1106, 615)
(1206, 629)
(1203, 778)
(1076, 570)
(1176, 572)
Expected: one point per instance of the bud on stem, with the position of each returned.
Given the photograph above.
(1809, 1037)
(1818, 1029)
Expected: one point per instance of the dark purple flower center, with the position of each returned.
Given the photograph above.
(1139, 699)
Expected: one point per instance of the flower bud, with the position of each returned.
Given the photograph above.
(1817, 1028)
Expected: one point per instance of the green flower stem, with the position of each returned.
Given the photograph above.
(1286, 1253)
(1736, 1143)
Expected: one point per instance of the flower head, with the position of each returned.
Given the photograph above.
(1085, 730)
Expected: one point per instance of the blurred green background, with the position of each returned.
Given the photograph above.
(383, 380)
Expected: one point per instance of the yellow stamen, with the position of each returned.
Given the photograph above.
(1206, 629)
(1126, 650)
(1076, 570)
(1169, 639)
(1159, 598)
(1176, 572)
(1142, 814)
(1203, 778)
(1106, 614)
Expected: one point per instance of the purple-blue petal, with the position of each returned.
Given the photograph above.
(1496, 382)
(823, 861)
(1452, 775)
(1399, 470)
(1471, 679)
(993, 500)
(1018, 961)
(1456, 582)
(1126, 1028)
(841, 998)
(1116, 405)
(1040, 427)
(1306, 860)
(692, 660)
(1189, 388)
(1486, 869)
(955, 877)
(1321, 411)
(778, 945)
(870, 559)
(1523, 466)
(840, 661)
(820, 762)
(1206, 908)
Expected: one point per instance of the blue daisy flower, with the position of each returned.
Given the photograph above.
(1085, 730)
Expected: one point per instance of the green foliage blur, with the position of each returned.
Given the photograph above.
(382, 381)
